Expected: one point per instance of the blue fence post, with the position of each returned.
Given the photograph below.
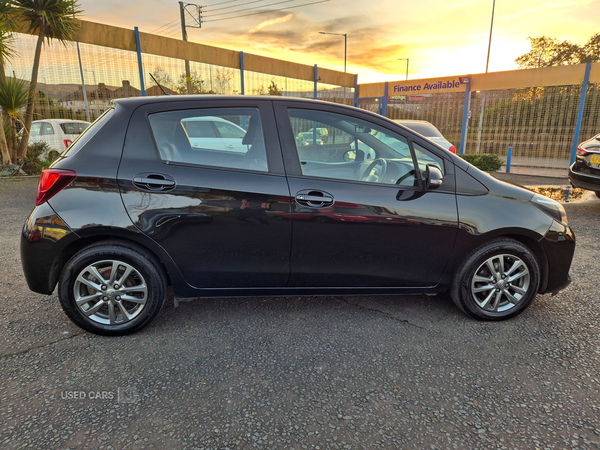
(315, 96)
(508, 159)
(384, 100)
(356, 90)
(463, 134)
(584, 87)
(242, 86)
(139, 58)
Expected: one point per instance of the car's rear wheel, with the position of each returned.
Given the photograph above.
(497, 280)
(112, 288)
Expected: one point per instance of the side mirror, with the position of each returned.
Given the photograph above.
(433, 177)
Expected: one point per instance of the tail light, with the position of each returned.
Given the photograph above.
(452, 149)
(581, 152)
(52, 182)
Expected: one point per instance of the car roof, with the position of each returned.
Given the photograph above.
(133, 102)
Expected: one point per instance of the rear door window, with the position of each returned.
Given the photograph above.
(195, 137)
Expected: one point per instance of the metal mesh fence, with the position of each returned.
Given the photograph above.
(442, 110)
(539, 124)
(110, 73)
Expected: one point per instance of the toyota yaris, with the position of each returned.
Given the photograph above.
(137, 204)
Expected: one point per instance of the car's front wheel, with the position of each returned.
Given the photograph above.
(497, 280)
(112, 288)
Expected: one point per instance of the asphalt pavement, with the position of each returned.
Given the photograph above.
(408, 372)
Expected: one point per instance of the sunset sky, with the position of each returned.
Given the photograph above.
(440, 37)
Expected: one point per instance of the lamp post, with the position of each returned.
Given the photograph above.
(345, 44)
(405, 59)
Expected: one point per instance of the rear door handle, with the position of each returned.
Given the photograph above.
(154, 181)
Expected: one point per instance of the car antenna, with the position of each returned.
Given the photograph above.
(158, 84)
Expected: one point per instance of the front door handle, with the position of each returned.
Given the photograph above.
(314, 198)
(154, 181)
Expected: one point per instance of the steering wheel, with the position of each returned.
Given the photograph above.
(405, 176)
(372, 174)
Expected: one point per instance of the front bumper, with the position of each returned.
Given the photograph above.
(559, 247)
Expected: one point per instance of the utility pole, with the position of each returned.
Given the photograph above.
(487, 64)
(188, 75)
(182, 6)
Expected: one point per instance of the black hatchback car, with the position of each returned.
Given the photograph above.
(158, 193)
(585, 171)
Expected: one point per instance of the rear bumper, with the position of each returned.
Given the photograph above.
(559, 247)
(44, 235)
(579, 179)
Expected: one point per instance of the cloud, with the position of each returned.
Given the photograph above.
(262, 25)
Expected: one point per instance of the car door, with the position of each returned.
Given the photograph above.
(378, 224)
(212, 210)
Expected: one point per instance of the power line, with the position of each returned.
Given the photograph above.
(234, 6)
(165, 25)
(175, 27)
(222, 3)
(250, 9)
(264, 12)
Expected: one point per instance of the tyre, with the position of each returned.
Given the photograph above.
(597, 193)
(112, 288)
(497, 280)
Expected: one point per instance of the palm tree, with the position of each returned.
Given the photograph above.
(7, 52)
(14, 95)
(49, 19)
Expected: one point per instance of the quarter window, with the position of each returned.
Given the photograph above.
(224, 137)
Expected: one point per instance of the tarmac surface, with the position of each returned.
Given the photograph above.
(364, 372)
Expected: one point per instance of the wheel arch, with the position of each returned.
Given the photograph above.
(539, 253)
(90, 238)
(524, 236)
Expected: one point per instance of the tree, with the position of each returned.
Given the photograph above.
(546, 52)
(274, 90)
(48, 19)
(7, 52)
(591, 51)
(221, 82)
(163, 78)
(197, 84)
(14, 95)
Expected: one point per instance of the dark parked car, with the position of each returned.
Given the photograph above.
(585, 171)
(133, 206)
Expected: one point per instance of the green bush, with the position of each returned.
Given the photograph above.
(33, 165)
(489, 163)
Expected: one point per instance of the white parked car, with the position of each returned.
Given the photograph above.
(215, 133)
(429, 131)
(57, 133)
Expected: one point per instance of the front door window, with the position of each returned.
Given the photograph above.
(345, 148)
